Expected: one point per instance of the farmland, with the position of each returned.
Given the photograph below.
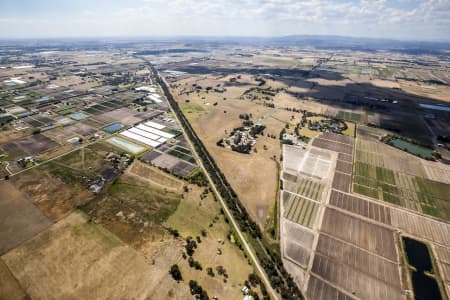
(398, 182)
(92, 254)
(101, 179)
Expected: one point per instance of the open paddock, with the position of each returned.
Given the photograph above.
(374, 238)
(89, 254)
(59, 134)
(20, 219)
(81, 129)
(155, 176)
(49, 193)
(94, 122)
(10, 288)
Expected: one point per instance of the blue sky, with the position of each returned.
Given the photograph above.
(399, 19)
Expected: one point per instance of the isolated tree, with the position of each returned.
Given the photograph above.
(175, 272)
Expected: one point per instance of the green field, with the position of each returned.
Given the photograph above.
(412, 148)
(350, 116)
(309, 188)
(402, 189)
(301, 211)
(181, 155)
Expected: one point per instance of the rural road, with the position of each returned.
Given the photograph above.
(250, 252)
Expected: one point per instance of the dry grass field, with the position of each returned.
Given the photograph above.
(73, 257)
(257, 190)
(10, 289)
(20, 219)
(155, 176)
(191, 217)
(49, 193)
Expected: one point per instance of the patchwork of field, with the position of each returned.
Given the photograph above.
(399, 180)
(306, 187)
(360, 273)
(361, 207)
(436, 233)
(357, 256)
(373, 238)
(384, 156)
(31, 145)
(90, 254)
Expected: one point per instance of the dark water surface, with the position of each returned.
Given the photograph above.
(425, 287)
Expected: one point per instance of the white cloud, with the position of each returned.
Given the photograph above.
(419, 19)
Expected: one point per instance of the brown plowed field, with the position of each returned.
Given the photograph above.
(361, 207)
(341, 182)
(371, 237)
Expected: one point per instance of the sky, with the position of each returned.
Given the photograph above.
(395, 19)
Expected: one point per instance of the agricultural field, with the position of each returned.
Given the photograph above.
(306, 187)
(398, 180)
(32, 145)
(350, 116)
(92, 254)
(54, 190)
(19, 215)
(301, 210)
(197, 217)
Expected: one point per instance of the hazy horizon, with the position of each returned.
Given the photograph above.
(398, 19)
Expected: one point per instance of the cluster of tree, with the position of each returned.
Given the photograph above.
(244, 116)
(257, 129)
(194, 263)
(190, 246)
(197, 177)
(197, 290)
(278, 276)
